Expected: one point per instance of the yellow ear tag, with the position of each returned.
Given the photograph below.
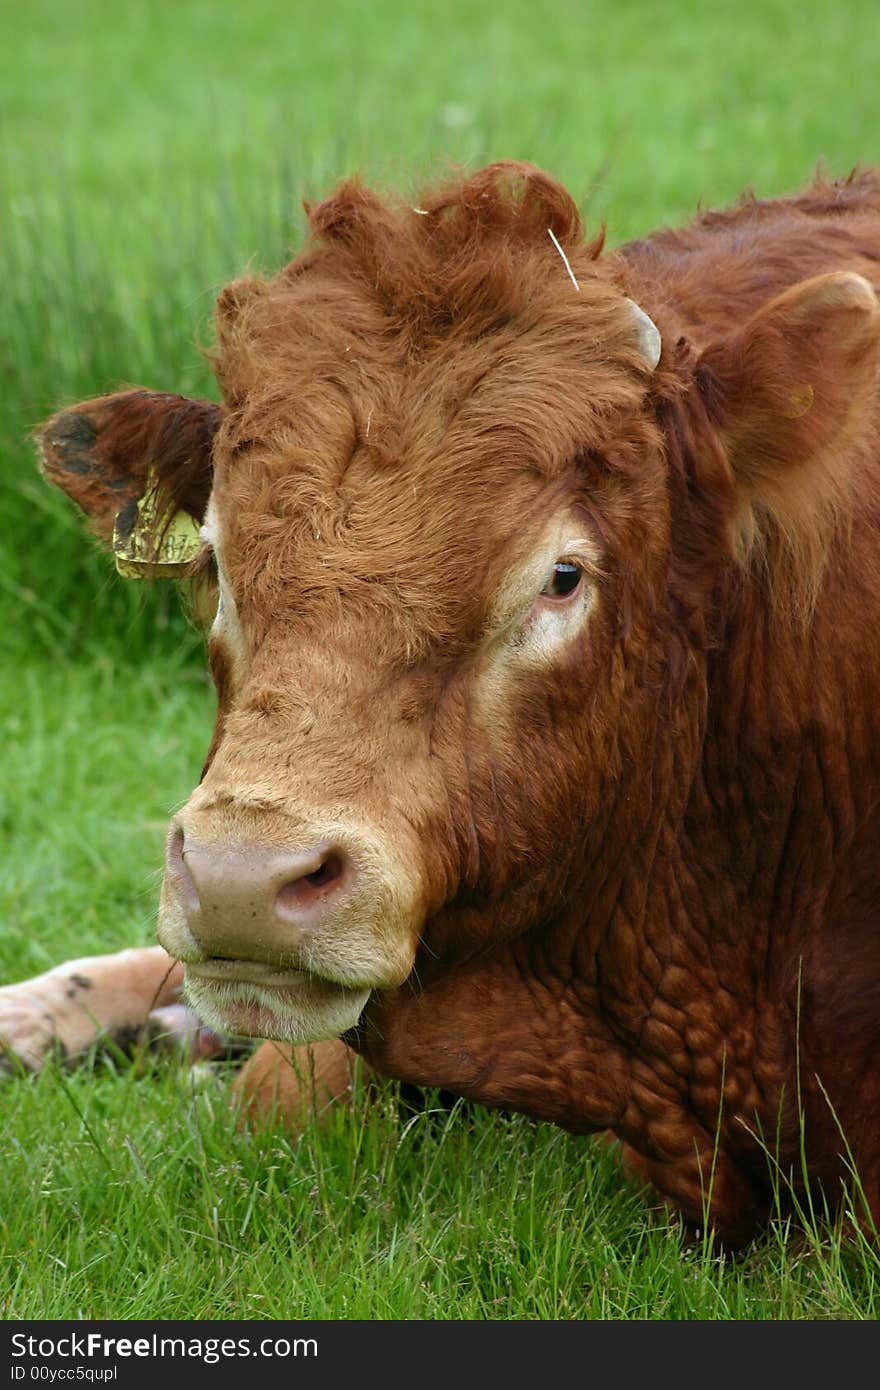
(148, 544)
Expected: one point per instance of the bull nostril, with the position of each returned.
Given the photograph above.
(303, 892)
(183, 879)
(331, 869)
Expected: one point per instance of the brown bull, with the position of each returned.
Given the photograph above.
(547, 757)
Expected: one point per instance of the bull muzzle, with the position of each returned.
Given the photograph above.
(286, 941)
(246, 902)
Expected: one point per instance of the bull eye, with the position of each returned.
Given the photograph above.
(563, 581)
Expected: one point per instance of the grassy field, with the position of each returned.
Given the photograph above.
(147, 154)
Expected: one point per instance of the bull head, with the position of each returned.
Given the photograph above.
(438, 504)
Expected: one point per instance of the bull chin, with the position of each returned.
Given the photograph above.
(287, 1006)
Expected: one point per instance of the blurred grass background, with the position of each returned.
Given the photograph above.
(148, 153)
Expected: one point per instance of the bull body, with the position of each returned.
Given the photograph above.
(547, 757)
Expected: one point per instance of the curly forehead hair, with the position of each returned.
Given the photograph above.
(475, 247)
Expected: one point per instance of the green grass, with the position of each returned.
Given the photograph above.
(148, 153)
(95, 757)
(151, 1204)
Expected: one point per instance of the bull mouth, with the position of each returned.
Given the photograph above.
(255, 1000)
(222, 968)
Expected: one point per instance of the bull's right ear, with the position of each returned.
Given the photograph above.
(108, 454)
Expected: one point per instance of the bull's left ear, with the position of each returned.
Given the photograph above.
(788, 391)
(112, 453)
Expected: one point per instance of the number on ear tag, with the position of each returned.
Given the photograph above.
(150, 544)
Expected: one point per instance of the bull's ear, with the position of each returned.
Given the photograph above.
(111, 453)
(789, 390)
